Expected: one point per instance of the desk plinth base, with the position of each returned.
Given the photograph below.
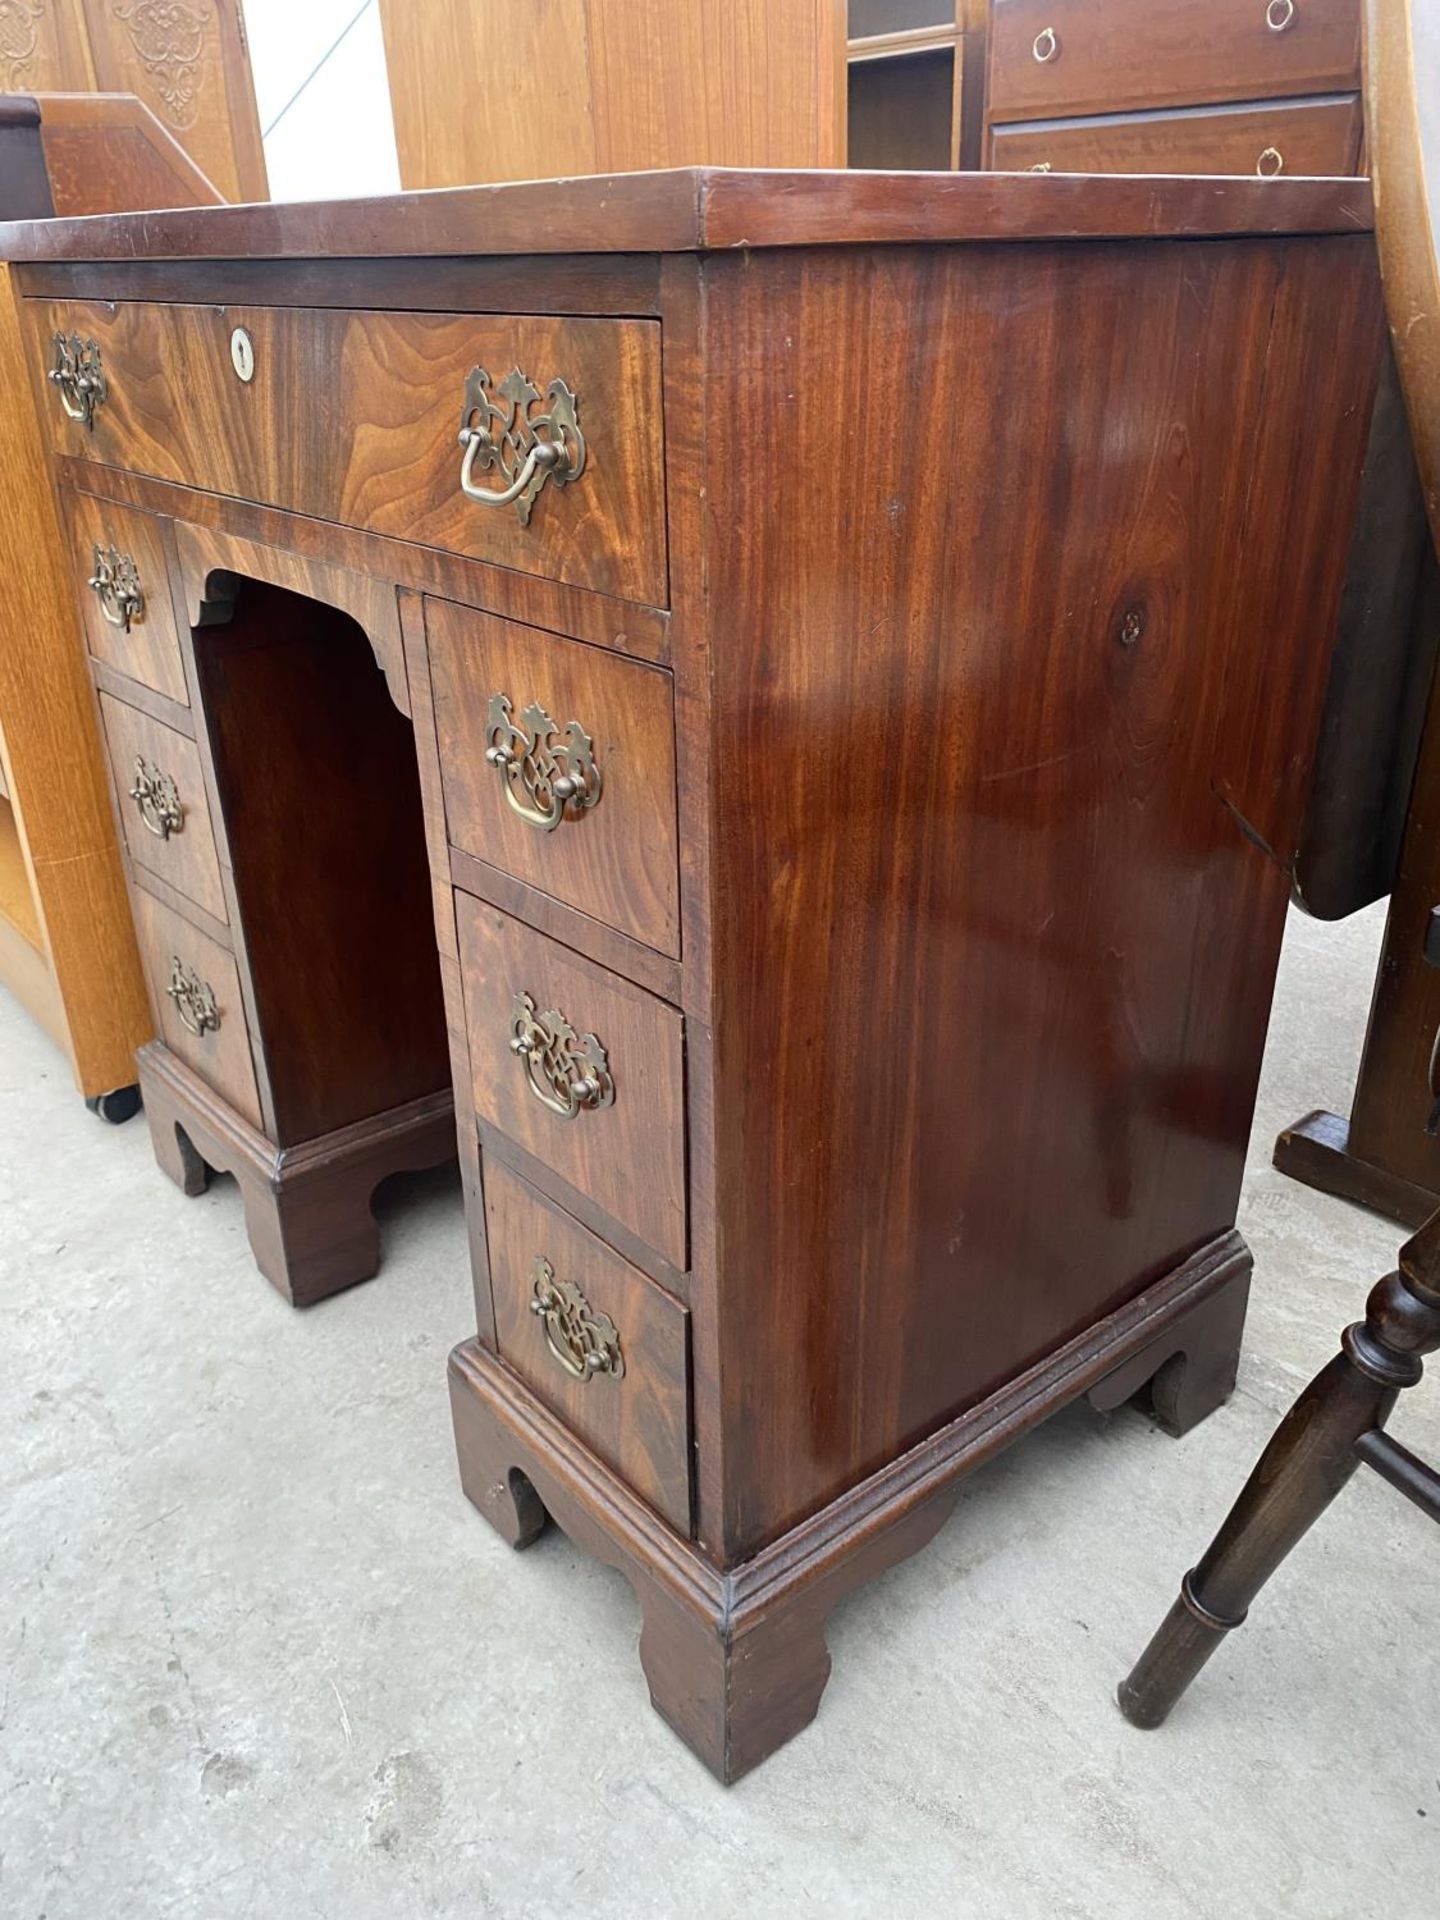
(736, 1660)
(307, 1208)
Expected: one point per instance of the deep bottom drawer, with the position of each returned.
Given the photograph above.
(196, 990)
(604, 1347)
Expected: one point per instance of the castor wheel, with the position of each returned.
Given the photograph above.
(117, 1106)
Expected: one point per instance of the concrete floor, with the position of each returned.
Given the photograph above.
(261, 1659)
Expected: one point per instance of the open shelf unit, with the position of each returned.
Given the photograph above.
(911, 65)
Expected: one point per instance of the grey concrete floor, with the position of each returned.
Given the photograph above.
(260, 1658)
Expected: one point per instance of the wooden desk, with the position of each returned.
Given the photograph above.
(858, 809)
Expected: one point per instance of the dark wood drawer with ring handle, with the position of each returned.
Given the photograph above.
(1095, 56)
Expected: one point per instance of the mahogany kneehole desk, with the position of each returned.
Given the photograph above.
(864, 644)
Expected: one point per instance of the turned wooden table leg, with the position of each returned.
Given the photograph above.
(1316, 1448)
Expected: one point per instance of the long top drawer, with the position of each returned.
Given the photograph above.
(356, 417)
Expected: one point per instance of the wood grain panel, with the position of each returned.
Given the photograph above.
(628, 1157)
(186, 858)
(540, 89)
(616, 860)
(639, 1422)
(107, 151)
(221, 1056)
(1112, 54)
(1294, 137)
(993, 959)
(381, 397)
(149, 649)
(489, 90)
(191, 66)
(720, 83)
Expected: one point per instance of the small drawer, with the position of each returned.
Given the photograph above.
(517, 713)
(123, 584)
(1102, 56)
(355, 417)
(581, 1069)
(603, 1347)
(160, 791)
(196, 990)
(1289, 137)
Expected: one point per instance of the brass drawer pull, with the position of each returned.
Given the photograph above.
(157, 798)
(1270, 163)
(194, 998)
(505, 439)
(1047, 45)
(544, 769)
(80, 377)
(583, 1341)
(1279, 14)
(115, 583)
(566, 1074)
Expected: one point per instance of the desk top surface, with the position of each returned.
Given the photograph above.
(693, 209)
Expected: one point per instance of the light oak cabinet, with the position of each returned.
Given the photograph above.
(487, 90)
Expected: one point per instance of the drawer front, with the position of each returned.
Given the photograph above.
(583, 1070)
(575, 713)
(160, 791)
(127, 613)
(603, 1347)
(1300, 137)
(354, 417)
(1095, 56)
(207, 996)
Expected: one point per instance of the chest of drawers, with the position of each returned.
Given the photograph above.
(863, 674)
(1126, 86)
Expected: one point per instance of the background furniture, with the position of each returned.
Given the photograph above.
(186, 60)
(489, 90)
(1387, 1155)
(1339, 1421)
(1337, 1425)
(1131, 86)
(67, 951)
(857, 998)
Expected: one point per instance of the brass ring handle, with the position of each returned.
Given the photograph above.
(194, 998)
(566, 1073)
(1279, 14)
(506, 439)
(1047, 45)
(583, 1341)
(157, 798)
(546, 770)
(1039, 166)
(1270, 163)
(79, 375)
(115, 583)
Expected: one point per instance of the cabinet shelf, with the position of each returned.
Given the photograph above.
(909, 42)
(17, 902)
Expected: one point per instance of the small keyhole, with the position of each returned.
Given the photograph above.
(242, 354)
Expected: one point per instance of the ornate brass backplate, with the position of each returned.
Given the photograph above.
(566, 1073)
(79, 375)
(545, 770)
(115, 583)
(194, 998)
(157, 798)
(583, 1341)
(501, 431)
